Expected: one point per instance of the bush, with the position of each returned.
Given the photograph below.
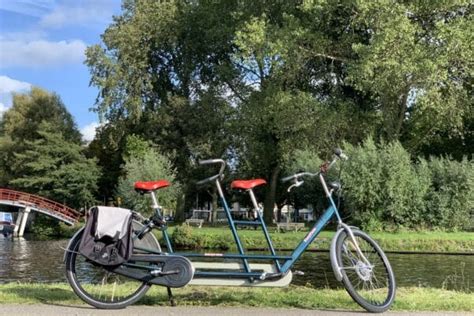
(184, 238)
(145, 163)
(450, 200)
(362, 182)
(386, 189)
(45, 226)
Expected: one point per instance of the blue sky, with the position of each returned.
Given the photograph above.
(42, 43)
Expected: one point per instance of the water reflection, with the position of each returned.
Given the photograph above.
(439, 271)
(26, 260)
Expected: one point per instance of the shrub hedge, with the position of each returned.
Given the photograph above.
(386, 189)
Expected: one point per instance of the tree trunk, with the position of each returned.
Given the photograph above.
(270, 196)
(180, 205)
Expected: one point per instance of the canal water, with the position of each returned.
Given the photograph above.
(24, 260)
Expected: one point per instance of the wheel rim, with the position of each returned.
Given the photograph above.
(100, 285)
(370, 281)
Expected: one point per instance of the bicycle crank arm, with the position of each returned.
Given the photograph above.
(270, 276)
(168, 272)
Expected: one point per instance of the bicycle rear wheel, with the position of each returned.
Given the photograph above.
(371, 285)
(102, 288)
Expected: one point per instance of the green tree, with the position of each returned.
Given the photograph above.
(145, 163)
(55, 168)
(417, 62)
(41, 150)
(164, 91)
(288, 75)
(21, 122)
(106, 148)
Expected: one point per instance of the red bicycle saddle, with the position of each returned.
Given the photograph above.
(147, 186)
(247, 184)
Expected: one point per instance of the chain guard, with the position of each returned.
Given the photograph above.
(172, 271)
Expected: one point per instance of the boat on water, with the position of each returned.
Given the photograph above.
(6, 223)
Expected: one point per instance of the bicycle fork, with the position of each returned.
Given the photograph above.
(332, 253)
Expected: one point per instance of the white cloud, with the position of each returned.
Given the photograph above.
(40, 53)
(84, 12)
(9, 85)
(3, 109)
(88, 131)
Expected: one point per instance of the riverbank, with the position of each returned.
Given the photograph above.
(221, 238)
(408, 299)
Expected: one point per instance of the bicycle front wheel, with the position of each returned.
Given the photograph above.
(369, 281)
(102, 288)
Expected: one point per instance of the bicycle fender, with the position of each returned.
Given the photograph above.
(70, 242)
(332, 255)
(332, 250)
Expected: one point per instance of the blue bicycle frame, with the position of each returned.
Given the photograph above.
(283, 263)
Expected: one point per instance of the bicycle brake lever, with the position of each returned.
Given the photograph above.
(295, 185)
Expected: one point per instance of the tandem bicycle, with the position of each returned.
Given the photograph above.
(356, 259)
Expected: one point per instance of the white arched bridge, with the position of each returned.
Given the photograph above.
(27, 202)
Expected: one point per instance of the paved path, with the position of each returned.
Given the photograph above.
(43, 310)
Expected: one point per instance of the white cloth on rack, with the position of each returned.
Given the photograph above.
(112, 221)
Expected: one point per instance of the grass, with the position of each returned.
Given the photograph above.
(408, 299)
(221, 237)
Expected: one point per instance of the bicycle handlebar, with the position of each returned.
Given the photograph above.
(216, 176)
(211, 161)
(325, 167)
(297, 175)
(338, 152)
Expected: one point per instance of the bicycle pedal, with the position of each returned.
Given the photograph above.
(297, 272)
(267, 276)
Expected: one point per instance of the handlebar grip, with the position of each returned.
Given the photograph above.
(201, 182)
(338, 152)
(286, 179)
(211, 161)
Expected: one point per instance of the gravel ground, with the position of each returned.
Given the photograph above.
(40, 310)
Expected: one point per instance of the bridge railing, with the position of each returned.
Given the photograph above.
(40, 202)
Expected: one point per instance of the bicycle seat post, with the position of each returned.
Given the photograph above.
(254, 200)
(157, 217)
(155, 204)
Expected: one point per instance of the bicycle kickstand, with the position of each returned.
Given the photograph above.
(170, 297)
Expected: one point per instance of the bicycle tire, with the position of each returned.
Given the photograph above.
(375, 293)
(82, 275)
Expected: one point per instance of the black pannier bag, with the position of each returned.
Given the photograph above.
(107, 237)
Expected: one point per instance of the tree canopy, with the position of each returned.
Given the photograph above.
(145, 163)
(29, 110)
(41, 151)
(55, 168)
(257, 81)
